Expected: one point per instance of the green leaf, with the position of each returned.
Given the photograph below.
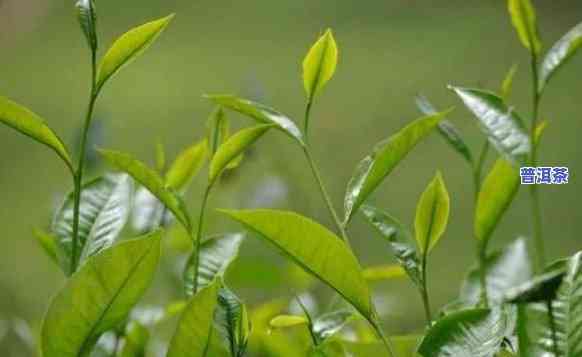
(404, 346)
(232, 321)
(216, 255)
(233, 148)
(384, 272)
(399, 239)
(160, 156)
(150, 180)
(497, 192)
(374, 168)
(468, 333)
(259, 113)
(523, 18)
(48, 242)
(432, 214)
(218, 128)
(194, 330)
(128, 47)
(103, 212)
(286, 321)
(502, 126)
(539, 289)
(135, 341)
(99, 296)
(559, 55)
(87, 16)
(314, 248)
(28, 123)
(447, 130)
(327, 325)
(507, 83)
(319, 65)
(187, 165)
(504, 270)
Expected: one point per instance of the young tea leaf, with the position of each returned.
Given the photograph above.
(386, 155)
(151, 180)
(218, 128)
(128, 47)
(384, 272)
(314, 248)
(432, 214)
(234, 147)
(523, 18)
(103, 211)
(48, 242)
(99, 296)
(87, 16)
(26, 122)
(187, 165)
(468, 333)
(503, 127)
(446, 129)
(319, 65)
(259, 113)
(286, 321)
(497, 193)
(507, 83)
(559, 54)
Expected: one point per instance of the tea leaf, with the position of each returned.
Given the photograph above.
(447, 130)
(497, 192)
(234, 147)
(507, 83)
(541, 288)
(128, 47)
(103, 212)
(384, 272)
(372, 170)
(218, 127)
(151, 180)
(216, 255)
(260, 113)
(404, 346)
(232, 321)
(523, 18)
(432, 214)
(503, 127)
(314, 248)
(285, 321)
(99, 296)
(28, 123)
(193, 334)
(135, 340)
(559, 55)
(468, 333)
(187, 165)
(48, 242)
(327, 325)
(319, 65)
(504, 270)
(87, 16)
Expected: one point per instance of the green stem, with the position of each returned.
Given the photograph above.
(424, 292)
(535, 200)
(198, 236)
(306, 121)
(483, 274)
(78, 179)
(552, 318)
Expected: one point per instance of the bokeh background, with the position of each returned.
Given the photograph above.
(389, 51)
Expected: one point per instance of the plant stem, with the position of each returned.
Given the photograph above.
(78, 179)
(553, 327)
(483, 274)
(535, 200)
(198, 236)
(424, 292)
(306, 121)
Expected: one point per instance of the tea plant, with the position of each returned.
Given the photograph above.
(506, 307)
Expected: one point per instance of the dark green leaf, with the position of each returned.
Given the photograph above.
(187, 165)
(260, 113)
(319, 65)
(539, 289)
(504, 270)
(523, 18)
(314, 248)
(432, 214)
(103, 212)
(232, 321)
(99, 296)
(372, 170)
(233, 148)
(128, 47)
(87, 16)
(193, 334)
(151, 180)
(468, 333)
(446, 129)
(497, 193)
(216, 255)
(28, 123)
(502, 126)
(559, 54)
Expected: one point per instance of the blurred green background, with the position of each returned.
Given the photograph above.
(389, 51)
